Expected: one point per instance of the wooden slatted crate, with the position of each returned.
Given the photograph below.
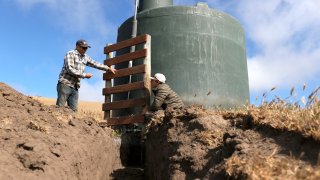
(145, 85)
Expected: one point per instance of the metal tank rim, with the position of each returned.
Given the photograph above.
(180, 10)
(205, 11)
(184, 10)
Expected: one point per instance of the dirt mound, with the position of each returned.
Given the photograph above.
(47, 142)
(193, 143)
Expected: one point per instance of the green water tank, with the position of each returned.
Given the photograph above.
(200, 50)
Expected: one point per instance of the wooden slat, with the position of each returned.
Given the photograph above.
(123, 120)
(123, 88)
(124, 104)
(126, 43)
(107, 99)
(125, 72)
(147, 74)
(126, 57)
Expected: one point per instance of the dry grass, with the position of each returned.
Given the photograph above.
(306, 121)
(270, 167)
(299, 116)
(85, 109)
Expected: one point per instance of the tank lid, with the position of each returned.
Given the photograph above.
(202, 5)
(151, 4)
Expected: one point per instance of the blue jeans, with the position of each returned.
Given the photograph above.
(67, 94)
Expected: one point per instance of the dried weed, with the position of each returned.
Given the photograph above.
(269, 167)
(284, 115)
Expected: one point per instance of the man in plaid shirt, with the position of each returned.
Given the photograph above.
(73, 71)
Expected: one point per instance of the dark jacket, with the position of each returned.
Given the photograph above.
(165, 97)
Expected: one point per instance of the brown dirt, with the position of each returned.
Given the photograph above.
(47, 142)
(192, 143)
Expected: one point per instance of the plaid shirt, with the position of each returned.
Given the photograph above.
(73, 68)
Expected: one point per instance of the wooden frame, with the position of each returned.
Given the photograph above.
(145, 85)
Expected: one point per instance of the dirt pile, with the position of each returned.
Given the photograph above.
(192, 143)
(46, 142)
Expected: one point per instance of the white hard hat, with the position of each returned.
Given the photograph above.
(160, 77)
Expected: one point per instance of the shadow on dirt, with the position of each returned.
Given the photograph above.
(293, 144)
(128, 173)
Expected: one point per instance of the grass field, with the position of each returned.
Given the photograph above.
(85, 109)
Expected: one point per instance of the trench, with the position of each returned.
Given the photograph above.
(149, 161)
(150, 158)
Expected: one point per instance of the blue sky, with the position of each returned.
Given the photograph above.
(282, 37)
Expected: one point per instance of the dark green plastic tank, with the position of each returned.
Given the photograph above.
(200, 50)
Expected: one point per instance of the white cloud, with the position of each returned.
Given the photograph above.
(282, 69)
(285, 31)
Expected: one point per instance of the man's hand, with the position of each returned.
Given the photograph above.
(112, 70)
(88, 75)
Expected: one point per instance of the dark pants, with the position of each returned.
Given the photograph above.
(67, 94)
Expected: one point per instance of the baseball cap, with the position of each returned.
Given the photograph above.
(82, 43)
(160, 77)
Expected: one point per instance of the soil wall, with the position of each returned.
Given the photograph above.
(192, 143)
(47, 142)
(187, 145)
